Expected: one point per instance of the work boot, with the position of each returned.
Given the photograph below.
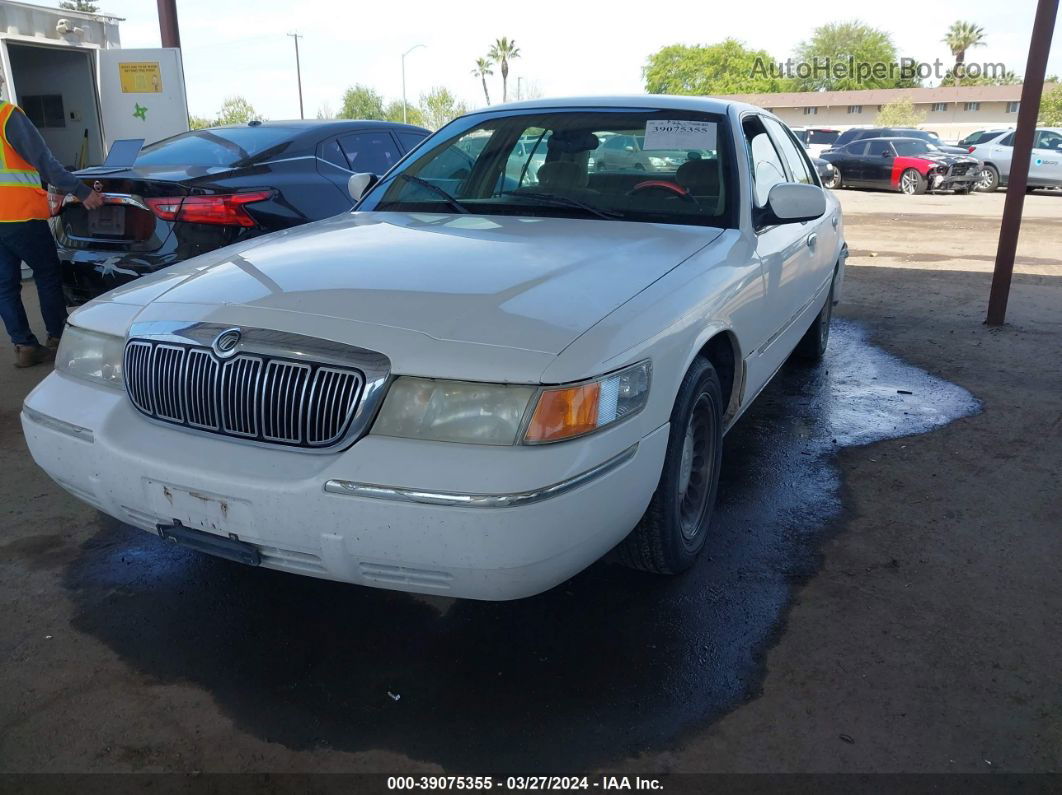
(29, 355)
(53, 343)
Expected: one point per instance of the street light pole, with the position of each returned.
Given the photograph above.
(298, 70)
(407, 52)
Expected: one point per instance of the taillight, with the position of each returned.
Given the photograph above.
(972, 148)
(226, 209)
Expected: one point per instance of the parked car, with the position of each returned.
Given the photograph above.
(462, 388)
(908, 165)
(861, 133)
(205, 189)
(816, 139)
(1045, 166)
(827, 173)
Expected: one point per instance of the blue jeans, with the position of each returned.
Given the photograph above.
(30, 242)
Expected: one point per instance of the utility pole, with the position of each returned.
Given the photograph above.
(1018, 179)
(168, 29)
(298, 69)
(407, 52)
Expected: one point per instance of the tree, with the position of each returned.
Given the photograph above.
(961, 36)
(986, 78)
(501, 52)
(1051, 107)
(361, 102)
(393, 112)
(724, 68)
(79, 5)
(198, 122)
(847, 56)
(483, 71)
(237, 110)
(900, 113)
(325, 111)
(439, 106)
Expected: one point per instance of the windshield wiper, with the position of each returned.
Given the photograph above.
(557, 198)
(446, 197)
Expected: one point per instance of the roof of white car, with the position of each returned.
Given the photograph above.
(702, 104)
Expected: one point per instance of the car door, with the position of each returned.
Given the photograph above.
(999, 153)
(852, 164)
(878, 162)
(1045, 166)
(821, 233)
(784, 250)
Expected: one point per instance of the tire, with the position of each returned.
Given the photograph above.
(812, 346)
(989, 180)
(675, 526)
(1030, 189)
(912, 183)
(963, 190)
(835, 181)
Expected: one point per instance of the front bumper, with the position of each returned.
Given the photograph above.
(92, 442)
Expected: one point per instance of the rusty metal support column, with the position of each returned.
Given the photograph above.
(171, 34)
(1018, 180)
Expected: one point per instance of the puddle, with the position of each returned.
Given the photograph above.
(610, 664)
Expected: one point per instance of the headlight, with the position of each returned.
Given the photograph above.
(91, 355)
(658, 162)
(475, 413)
(829, 167)
(453, 411)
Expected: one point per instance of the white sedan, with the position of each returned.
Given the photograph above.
(478, 382)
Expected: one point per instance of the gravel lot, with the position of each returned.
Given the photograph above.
(877, 607)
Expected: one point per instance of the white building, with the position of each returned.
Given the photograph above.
(952, 112)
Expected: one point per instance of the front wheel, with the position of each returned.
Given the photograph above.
(912, 183)
(834, 182)
(989, 179)
(674, 527)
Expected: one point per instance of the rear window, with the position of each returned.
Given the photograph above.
(822, 136)
(223, 146)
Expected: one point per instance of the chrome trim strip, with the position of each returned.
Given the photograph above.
(352, 489)
(84, 434)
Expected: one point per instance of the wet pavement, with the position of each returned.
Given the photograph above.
(612, 663)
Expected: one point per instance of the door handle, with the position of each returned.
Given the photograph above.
(812, 240)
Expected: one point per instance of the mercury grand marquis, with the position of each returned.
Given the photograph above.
(495, 370)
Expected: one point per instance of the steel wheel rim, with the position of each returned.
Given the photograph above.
(695, 470)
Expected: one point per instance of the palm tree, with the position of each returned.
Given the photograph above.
(960, 37)
(483, 71)
(501, 52)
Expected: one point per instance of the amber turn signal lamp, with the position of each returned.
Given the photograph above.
(564, 413)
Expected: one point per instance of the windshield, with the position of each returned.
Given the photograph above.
(663, 166)
(222, 146)
(910, 148)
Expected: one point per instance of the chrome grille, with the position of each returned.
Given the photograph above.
(254, 397)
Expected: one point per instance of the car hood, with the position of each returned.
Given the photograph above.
(947, 159)
(530, 283)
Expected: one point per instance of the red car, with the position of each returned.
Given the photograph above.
(908, 165)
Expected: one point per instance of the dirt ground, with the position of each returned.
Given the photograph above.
(921, 636)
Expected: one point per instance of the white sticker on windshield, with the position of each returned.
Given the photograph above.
(677, 134)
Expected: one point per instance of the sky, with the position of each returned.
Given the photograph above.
(241, 47)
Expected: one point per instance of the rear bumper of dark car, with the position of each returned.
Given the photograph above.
(88, 274)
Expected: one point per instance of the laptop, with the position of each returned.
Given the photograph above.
(122, 155)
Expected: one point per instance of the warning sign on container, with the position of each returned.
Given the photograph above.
(142, 77)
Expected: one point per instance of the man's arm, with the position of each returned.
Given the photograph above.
(27, 141)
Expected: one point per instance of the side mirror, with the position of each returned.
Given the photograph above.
(359, 184)
(790, 203)
(886, 154)
(628, 148)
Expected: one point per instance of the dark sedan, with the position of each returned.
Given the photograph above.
(908, 165)
(205, 189)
